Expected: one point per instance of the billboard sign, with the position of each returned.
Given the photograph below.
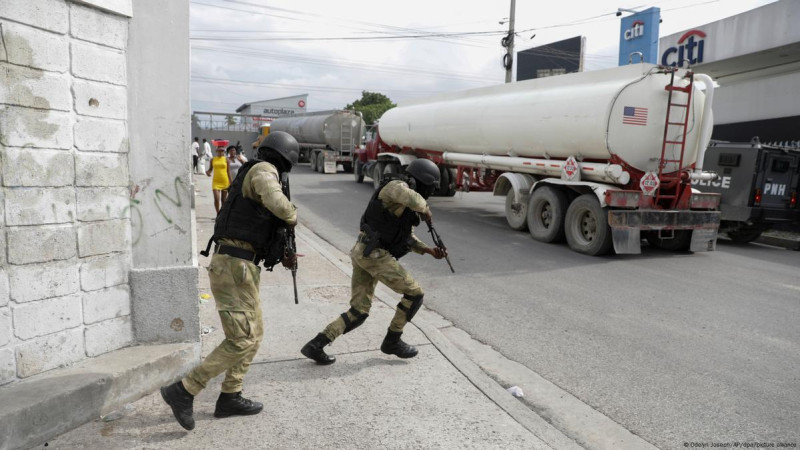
(547, 60)
(639, 35)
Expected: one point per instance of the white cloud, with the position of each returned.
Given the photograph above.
(334, 72)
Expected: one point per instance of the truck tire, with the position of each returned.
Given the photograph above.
(681, 240)
(377, 175)
(347, 167)
(546, 210)
(358, 170)
(586, 226)
(321, 162)
(745, 234)
(516, 214)
(451, 186)
(312, 158)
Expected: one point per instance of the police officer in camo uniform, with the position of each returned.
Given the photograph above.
(386, 235)
(244, 231)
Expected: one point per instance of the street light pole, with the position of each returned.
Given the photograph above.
(508, 60)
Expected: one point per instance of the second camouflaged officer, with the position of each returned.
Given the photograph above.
(386, 235)
(244, 232)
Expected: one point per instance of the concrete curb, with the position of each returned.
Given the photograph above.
(524, 416)
(45, 406)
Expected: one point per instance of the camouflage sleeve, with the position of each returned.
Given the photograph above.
(263, 186)
(417, 246)
(398, 192)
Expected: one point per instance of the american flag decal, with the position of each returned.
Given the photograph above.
(632, 115)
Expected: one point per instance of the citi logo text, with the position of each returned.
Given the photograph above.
(689, 49)
(636, 30)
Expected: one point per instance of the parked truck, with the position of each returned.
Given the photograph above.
(759, 184)
(326, 138)
(601, 159)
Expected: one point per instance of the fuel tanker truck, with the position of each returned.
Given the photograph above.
(602, 159)
(326, 138)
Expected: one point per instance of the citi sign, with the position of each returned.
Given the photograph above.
(636, 30)
(689, 49)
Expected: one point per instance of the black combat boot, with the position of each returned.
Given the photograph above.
(181, 401)
(315, 349)
(393, 345)
(236, 405)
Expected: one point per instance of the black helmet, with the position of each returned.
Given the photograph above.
(426, 175)
(282, 143)
(424, 171)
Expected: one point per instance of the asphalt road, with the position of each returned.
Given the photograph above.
(676, 347)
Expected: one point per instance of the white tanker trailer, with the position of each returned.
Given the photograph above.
(601, 158)
(324, 137)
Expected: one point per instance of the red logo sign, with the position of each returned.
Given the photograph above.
(301, 103)
(570, 168)
(649, 183)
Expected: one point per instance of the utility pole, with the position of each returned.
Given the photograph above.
(508, 42)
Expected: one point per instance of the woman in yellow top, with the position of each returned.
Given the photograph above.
(222, 175)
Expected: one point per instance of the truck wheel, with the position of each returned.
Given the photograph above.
(586, 226)
(545, 214)
(347, 167)
(745, 234)
(377, 175)
(321, 162)
(680, 241)
(358, 170)
(313, 160)
(516, 213)
(451, 186)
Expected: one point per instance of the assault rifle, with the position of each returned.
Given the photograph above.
(291, 245)
(437, 241)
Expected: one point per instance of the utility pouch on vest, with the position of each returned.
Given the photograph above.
(372, 241)
(276, 249)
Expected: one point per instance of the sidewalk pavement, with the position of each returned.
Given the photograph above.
(439, 399)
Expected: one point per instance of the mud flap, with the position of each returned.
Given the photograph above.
(627, 241)
(703, 240)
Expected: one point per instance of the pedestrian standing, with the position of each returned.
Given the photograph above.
(244, 232)
(235, 161)
(222, 174)
(386, 236)
(195, 154)
(204, 156)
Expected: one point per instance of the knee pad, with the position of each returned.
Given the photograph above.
(350, 325)
(416, 303)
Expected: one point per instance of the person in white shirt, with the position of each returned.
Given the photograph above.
(195, 154)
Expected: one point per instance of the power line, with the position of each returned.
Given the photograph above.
(347, 64)
(204, 79)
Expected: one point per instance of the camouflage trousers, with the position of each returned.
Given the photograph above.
(367, 272)
(234, 283)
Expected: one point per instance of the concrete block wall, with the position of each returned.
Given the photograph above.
(65, 232)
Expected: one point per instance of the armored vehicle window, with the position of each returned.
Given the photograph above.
(729, 159)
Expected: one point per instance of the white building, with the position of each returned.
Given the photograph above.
(755, 58)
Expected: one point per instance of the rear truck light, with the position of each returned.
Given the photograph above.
(793, 200)
(623, 199)
(705, 201)
(757, 198)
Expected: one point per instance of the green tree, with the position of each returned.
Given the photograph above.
(230, 121)
(372, 105)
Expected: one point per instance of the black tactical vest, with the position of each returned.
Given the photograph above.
(394, 232)
(246, 219)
